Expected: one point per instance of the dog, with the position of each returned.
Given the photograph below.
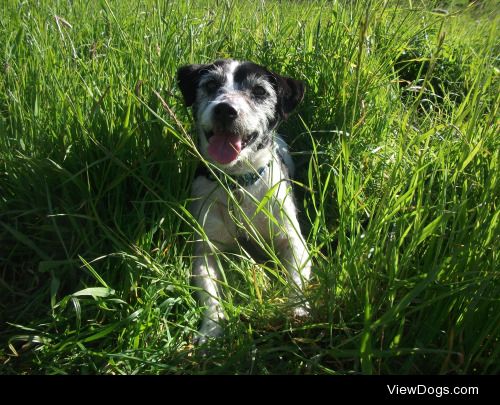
(245, 191)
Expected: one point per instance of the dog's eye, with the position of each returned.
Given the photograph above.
(211, 86)
(259, 91)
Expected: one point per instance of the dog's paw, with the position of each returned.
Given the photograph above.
(209, 330)
(301, 312)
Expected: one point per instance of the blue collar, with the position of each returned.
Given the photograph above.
(244, 180)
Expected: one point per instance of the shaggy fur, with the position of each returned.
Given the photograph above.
(237, 107)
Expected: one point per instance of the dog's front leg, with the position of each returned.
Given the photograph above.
(205, 277)
(295, 257)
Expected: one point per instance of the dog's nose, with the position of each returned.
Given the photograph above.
(225, 113)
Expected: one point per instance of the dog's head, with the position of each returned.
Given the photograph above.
(236, 106)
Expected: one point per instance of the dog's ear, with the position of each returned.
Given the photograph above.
(188, 78)
(290, 94)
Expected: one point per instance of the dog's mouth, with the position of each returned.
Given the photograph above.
(225, 146)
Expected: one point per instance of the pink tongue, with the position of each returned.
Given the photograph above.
(224, 148)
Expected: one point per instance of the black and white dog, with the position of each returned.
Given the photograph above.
(237, 107)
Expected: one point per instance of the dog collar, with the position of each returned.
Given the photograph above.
(244, 180)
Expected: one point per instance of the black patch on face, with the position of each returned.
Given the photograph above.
(188, 78)
(250, 69)
(290, 92)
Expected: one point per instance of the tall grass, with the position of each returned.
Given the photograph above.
(396, 145)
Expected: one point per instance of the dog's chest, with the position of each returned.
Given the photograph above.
(244, 211)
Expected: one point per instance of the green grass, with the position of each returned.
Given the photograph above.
(397, 148)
